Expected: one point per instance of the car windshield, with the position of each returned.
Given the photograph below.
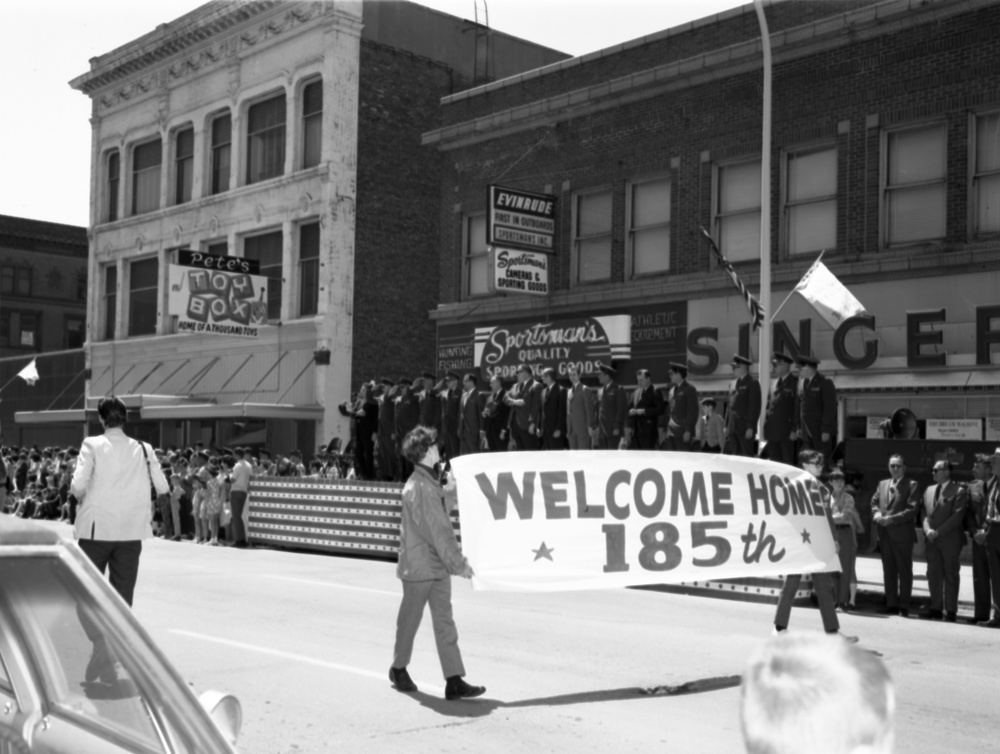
(90, 676)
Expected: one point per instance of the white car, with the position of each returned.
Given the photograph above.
(54, 608)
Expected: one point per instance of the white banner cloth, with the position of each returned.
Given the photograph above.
(569, 520)
(828, 296)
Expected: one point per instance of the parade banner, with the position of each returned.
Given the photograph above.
(216, 301)
(571, 520)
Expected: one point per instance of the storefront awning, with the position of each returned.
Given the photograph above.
(941, 381)
(232, 411)
(71, 416)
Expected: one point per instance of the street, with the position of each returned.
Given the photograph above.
(305, 642)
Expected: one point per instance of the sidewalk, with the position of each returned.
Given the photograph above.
(871, 592)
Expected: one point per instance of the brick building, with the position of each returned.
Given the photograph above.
(43, 297)
(885, 156)
(279, 141)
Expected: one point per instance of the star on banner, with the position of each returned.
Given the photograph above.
(544, 552)
(806, 537)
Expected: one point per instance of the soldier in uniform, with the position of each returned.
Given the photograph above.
(407, 415)
(643, 412)
(451, 400)
(552, 427)
(581, 413)
(782, 414)
(388, 462)
(743, 412)
(682, 419)
(817, 407)
(470, 417)
(430, 403)
(525, 401)
(612, 409)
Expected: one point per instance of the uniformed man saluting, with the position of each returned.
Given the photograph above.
(817, 407)
(612, 409)
(743, 412)
(782, 415)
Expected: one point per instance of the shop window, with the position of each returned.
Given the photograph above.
(986, 178)
(266, 249)
(811, 201)
(73, 327)
(592, 237)
(312, 123)
(143, 291)
(737, 217)
(266, 139)
(649, 226)
(20, 329)
(110, 300)
(915, 185)
(183, 165)
(308, 269)
(222, 146)
(476, 261)
(146, 161)
(81, 286)
(111, 185)
(218, 248)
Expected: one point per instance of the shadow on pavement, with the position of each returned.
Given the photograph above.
(482, 707)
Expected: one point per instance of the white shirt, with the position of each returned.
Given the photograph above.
(112, 483)
(241, 476)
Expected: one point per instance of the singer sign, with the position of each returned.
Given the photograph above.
(518, 272)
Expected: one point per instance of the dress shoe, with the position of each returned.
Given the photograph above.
(904, 612)
(892, 611)
(401, 680)
(101, 665)
(991, 623)
(457, 688)
(950, 617)
(931, 614)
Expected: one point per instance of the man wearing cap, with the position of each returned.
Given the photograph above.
(451, 400)
(430, 402)
(782, 414)
(581, 412)
(681, 421)
(612, 409)
(817, 426)
(943, 512)
(643, 412)
(991, 536)
(388, 460)
(525, 398)
(743, 411)
(470, 417)
(407, 414)
(894, 510)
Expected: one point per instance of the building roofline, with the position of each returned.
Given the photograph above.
(42, 230)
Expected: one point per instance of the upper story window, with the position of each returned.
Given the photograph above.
(811, 200)
(222, 148)
(146, 161)
(143, 295)
(16, 281)
(110, 300)
(308, 269)
(915, 191)
(218, 248)
(649, 226)
(266, 249)
(592, 237)
(20, 329)
(737, 216)
(312, 123)
(183, 165)
(986, 176)
(476, 260)
(75, 331)
(111, 185)
(266, 139)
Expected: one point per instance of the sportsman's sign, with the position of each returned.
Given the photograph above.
(568, 520)
(518, 271)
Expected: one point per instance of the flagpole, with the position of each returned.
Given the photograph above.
(765, 214)
(797, 285)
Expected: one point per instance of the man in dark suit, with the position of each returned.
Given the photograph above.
(525, 401)
(407, 415)
(581, 413)
(430, 403)
(612, 409)
(817, 408)
(644, 408)
(782, 412)
(552, 427)
(496, 416)
(975, 525)
(894, 510)
(451, 397)
(991, 536)
(388, 460)
(944, 510)
(681, 418)
(470, 417)
(743, 411)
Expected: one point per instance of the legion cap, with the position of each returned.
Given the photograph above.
(738, 360)
(807, 359)
(784, 357)
(608, 370)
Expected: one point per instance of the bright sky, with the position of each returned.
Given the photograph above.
(46, 134)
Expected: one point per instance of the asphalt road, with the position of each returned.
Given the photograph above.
(305, 642)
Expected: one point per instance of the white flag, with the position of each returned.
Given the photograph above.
(828, 296)
(30, 373)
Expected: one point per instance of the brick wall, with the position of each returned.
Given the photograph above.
(939, 70)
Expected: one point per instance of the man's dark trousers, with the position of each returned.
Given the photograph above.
(237, 500)
(121, 558)
(897, 571)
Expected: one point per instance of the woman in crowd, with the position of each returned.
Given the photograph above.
(847, 525)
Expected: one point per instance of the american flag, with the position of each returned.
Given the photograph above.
(756, 310)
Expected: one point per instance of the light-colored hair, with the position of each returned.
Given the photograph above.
(815, 693)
